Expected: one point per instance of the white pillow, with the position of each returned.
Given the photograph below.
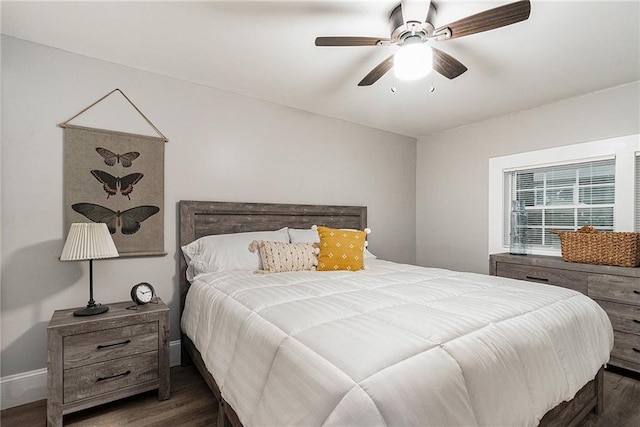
(310, 235)
(303, 235)
(227, 252)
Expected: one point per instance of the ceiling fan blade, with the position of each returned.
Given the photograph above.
(350, 41)
(447, 65)
(489, 19)
(377, 72)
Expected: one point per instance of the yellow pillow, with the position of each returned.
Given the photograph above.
(341, 249)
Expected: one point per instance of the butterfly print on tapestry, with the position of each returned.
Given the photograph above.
(128, 221)
(112, 183)
(110, 158)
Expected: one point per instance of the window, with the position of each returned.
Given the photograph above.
(594, 183)
(637, 202)
(562, 197)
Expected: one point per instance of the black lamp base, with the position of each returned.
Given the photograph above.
(91, 310)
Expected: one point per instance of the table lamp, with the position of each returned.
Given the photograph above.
(89, 241)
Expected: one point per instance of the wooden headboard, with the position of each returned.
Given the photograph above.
(198, 219)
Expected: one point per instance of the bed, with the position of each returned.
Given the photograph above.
(443, 397)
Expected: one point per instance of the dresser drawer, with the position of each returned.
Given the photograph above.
(626, 347)
(624, 364)
(624, 318)
(575, 280)
(615, 288)
(93, 380)
(101, 346)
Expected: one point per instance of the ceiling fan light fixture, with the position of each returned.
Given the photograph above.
(413, 61)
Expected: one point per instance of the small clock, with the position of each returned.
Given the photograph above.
(142, 293)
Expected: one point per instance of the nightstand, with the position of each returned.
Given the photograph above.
(96, 359)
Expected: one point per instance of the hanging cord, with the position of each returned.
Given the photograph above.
(64, 124)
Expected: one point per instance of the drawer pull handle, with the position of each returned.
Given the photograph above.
(636, 321)
(103, 346)
(124, 374)
(541, 279)
(636, 292)
(636, 350)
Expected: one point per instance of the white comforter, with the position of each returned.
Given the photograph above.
(394, 345)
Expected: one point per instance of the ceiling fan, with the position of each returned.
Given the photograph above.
(412, 29)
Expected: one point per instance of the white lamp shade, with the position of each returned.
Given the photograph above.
(413, 61)
(88, 241)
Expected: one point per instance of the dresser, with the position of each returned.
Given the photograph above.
(97, 359)
(615, 289)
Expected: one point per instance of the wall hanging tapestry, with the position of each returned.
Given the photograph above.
(116, 178)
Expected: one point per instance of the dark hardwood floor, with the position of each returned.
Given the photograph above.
(192, 404)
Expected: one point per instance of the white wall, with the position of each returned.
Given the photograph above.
(452, 168)
(223, 147)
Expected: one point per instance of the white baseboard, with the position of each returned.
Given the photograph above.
(23, 388)
(30, 386)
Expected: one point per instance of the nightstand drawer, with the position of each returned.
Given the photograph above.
(621, 289)
(575, 280)
(101, 346)
(626, 347)
(100, 378)
(624, 318)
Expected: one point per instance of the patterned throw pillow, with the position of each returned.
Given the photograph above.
(278, 257)
(341, 249)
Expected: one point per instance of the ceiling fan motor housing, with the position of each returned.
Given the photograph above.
(400, 31)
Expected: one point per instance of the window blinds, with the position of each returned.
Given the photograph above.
(563, 197)
(637, 199)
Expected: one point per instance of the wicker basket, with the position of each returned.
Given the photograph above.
(591, 246)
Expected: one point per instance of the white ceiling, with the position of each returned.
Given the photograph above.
(266, 50)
